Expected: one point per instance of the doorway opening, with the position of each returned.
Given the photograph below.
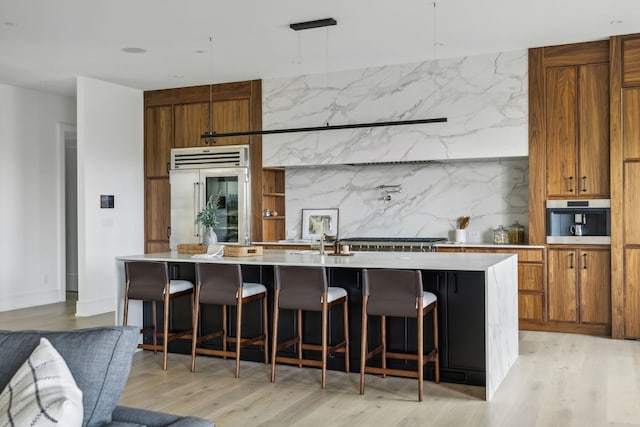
(70, 139)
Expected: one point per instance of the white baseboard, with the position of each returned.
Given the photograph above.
(91, 308)
(29, 299)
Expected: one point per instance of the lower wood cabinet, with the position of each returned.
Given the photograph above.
(579, 285)
(531, 295)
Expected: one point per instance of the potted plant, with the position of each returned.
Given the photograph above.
(209, 218)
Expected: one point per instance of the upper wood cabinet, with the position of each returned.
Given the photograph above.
(231, 116)
(191, 121)
(158, 140)
(578, 131)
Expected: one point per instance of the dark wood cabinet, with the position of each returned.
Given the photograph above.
(176, 118)
(580, 285)
(578, 131)
(158, 140)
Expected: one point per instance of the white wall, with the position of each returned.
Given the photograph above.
(110, 162)
(31, 198)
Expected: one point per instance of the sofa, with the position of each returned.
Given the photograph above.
(99, 360)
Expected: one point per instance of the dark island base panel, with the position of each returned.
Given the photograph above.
(461, 323)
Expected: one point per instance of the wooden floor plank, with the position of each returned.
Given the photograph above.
(559, 380)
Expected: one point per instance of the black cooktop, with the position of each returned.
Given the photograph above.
(394, 239)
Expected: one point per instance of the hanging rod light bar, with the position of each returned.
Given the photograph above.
(319, 128)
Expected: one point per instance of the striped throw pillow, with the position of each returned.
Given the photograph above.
(42, 392)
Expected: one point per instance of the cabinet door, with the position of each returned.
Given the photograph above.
(158, 137)
(191, 121)
(593, 143)
(595, 286)
(231, 116)
(631, 123)
(561, 283)
(631, 203)
(632, 293)
(157, 211)
(561, 131)
(465, 320)
(530, 306)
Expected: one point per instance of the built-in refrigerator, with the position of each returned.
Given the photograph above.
(198, 174)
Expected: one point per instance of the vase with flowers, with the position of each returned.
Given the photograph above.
(208, 217)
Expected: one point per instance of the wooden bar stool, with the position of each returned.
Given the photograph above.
(222, 284)
(397, 293)
(305, 288)
(149, 281)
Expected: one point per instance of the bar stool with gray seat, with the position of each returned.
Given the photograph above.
(397, 293)
(222, 284)
(149, 281)
(305, 288)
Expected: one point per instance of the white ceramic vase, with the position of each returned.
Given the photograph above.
(209, 237)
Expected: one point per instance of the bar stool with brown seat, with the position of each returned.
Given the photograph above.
(397, 293)
(149, 281)
(222, 284)
(305, 288)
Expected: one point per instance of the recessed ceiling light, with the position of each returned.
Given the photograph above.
(615, 22)
(200, 51)
(438, 44)
(10, 24)
(178, 76)
(133, 50)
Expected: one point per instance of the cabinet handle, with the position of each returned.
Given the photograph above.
(584, 183)
(196, 201)
(168, 232)
(584, 261)
(571, 184)
(571, 261)
(455, 283)
(168, 167)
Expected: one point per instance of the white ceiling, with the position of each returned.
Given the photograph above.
(44, 44)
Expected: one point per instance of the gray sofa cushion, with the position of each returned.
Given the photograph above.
(98, 358)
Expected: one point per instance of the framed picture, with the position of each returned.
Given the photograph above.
(318, 221)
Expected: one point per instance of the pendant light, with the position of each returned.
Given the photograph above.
(306, 26)
(210, 133)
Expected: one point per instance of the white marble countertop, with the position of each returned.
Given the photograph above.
(402, 260)
(486, 245)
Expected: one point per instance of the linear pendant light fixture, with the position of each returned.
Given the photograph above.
(307, 26)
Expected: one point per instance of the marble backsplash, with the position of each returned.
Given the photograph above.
(484, 98)
(433, 195)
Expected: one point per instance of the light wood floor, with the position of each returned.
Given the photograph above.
(558, 380)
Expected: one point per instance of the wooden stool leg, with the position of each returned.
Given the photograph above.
(238, 334)
(195, 317)
(363, 342)
(346, 334)
(154, 315)
(420, 350)
(224, 329)
(299, 313)
(324, 341)
(165, 341)
(383, 337)
(274, 343)
(435, 342)
(265, 328)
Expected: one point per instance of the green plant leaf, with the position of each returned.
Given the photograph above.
(209, 215)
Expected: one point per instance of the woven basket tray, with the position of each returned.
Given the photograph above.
(192, 248)
(242, 250)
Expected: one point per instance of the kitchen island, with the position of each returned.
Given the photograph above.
(477, 297)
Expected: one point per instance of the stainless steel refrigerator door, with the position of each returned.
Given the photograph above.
(231, 185)
(185, 204)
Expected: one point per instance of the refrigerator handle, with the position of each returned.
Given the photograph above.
(196, 201)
